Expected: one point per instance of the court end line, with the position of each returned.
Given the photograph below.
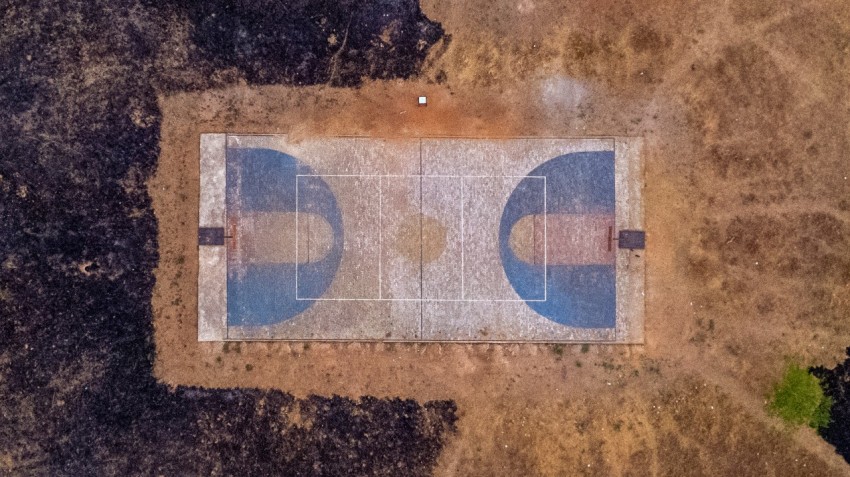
(380, 236)
(227, 226)
(545, 243)
(462, 244)
(296, 238)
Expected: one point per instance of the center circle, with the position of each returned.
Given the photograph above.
(420, 237)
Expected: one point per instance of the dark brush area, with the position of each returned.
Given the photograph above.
(836, 385)
(78, 139)
(336, 42)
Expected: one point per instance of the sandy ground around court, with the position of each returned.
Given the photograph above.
(743, 111)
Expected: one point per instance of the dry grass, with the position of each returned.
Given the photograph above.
(742, 110)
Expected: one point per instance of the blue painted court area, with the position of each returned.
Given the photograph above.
(582, 296)
(264, 181)
(566, 285)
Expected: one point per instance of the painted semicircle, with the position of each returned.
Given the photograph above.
(563, 239)
(577, 286)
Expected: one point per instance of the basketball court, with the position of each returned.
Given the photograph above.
(431, 239)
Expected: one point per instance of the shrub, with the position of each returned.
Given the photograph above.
(799, 399)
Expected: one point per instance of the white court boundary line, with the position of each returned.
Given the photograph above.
(296, 238)
(545, 241)
(462, 244)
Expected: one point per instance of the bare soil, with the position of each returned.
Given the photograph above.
(744, 111)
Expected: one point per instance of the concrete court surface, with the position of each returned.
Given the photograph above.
(432, 239)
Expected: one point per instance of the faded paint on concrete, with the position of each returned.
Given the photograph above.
(438, 239)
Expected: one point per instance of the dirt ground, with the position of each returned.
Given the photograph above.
(744, 111)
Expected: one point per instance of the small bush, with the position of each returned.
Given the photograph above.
(799, 399)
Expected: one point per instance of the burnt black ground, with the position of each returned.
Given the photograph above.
(79, 134)
(836, 384)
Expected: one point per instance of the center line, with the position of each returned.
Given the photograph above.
(421, 274)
